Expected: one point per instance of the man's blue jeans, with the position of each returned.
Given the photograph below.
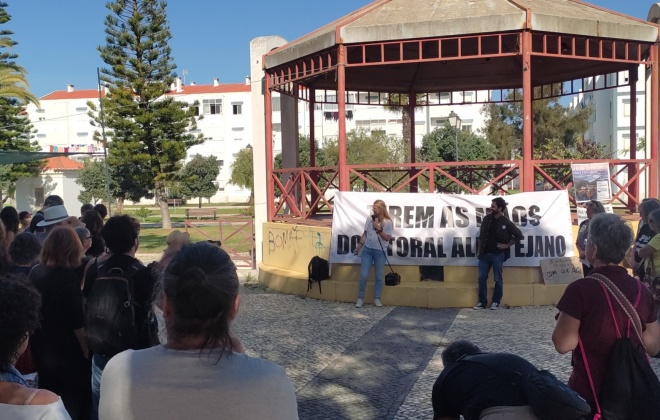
(375, 257)
(98, 364)
(486, 261)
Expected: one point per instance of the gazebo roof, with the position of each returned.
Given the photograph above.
(424, 46)
(389, 20)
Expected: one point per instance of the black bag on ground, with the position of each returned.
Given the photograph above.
(551, 399)
(110, 323)
(392, 279)
(318, 270)
(631, 389)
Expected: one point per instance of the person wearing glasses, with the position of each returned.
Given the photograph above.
(593, 207)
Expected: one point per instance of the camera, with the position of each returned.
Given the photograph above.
(373, 217)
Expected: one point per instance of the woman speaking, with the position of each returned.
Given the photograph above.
(373, 243)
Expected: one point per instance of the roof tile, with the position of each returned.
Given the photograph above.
(62, 163)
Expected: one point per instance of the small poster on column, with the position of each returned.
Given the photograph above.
(592, 181)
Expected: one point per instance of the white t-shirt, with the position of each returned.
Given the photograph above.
(373, 238)
(160, 383)
(52, 411)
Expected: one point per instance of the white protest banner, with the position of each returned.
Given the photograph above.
(591, 181)
(442, 229)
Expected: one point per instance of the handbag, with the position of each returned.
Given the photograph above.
(391, 278)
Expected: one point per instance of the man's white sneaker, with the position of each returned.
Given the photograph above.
(494, 306)
(479, 306)
(359, 303)
(377, 303)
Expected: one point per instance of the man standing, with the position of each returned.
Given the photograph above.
(50, 201)
(478, 385)
(496, 236)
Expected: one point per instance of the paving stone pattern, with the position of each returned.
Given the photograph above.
(381, 363)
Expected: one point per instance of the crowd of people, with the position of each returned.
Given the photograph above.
(80, 314)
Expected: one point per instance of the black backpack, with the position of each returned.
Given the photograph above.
(318, 270)
(631, 389)
(110, 323)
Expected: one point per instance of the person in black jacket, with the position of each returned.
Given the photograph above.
(495, 238)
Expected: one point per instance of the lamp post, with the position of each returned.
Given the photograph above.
(455, 122)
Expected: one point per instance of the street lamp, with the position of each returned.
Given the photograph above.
(455, 122)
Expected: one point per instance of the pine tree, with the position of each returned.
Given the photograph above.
(15, 128)
(149, 131)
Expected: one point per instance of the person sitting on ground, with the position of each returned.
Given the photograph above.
(85, 208)
(585, 312)
(121, 238)
(102, 210)
(19, 318)
(59, 346)
(592, 207)
(94, 222)
(51, 200)
(480, 390)
(24, 219)
(9, 217)
(199, 298)
(24, 253)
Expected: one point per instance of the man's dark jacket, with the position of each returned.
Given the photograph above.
(504, 236)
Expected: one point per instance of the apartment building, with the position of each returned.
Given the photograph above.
(225, 120)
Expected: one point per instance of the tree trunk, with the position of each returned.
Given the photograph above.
(405, 123)
(161, 199)
(120, 205)
(200, 202)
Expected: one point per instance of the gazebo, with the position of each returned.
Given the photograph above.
(541, 48)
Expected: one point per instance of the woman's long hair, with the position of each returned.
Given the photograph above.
(62, 249)
(201, 285)
(382, 205)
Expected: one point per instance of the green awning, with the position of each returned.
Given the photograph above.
(7, 158)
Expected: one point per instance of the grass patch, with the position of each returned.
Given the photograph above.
(153, 239)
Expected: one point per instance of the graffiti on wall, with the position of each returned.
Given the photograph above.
(289, 239)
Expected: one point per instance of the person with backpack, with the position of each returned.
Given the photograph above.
(119, 288)
(378, 230)
(202, 371)
(594, 316)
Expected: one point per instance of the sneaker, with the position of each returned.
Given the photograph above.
(479, 306)
(377, 303)
(494, 306)
(359, 303)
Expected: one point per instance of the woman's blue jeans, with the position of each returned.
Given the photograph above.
(377, 258)
(486, 261)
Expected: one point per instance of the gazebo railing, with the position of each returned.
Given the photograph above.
(496, 177)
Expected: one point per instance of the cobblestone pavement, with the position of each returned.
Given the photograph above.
(381, 363)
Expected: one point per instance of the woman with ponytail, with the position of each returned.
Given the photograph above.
(201, 372)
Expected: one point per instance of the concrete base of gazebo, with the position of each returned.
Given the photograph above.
(288, 249)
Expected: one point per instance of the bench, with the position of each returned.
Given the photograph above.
(199, 213)
(175, 201)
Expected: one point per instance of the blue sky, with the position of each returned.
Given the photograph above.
(58, 39)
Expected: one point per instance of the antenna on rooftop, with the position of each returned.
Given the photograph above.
(184, 73)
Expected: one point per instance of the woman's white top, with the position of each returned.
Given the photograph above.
(53, 411)
(160, 383)
(373, 238)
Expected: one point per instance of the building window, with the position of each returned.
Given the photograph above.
(238, 139)
(221, 189)
(39, 196)
(81, 109)
(275, 102)
(41, 136)
(221, 163)
(445, 97)
(466, 128)
(237, 109)
(626, 107)
(237, 128)
(212, 106)
(82, 134)
(41, 110)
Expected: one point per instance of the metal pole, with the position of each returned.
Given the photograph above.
(105, 143)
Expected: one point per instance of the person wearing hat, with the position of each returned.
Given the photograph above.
(56, 216)
(24, 219)
(496, 236)
(51, 200)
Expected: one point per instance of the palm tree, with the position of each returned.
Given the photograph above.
(13, 84)
(397, 102)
